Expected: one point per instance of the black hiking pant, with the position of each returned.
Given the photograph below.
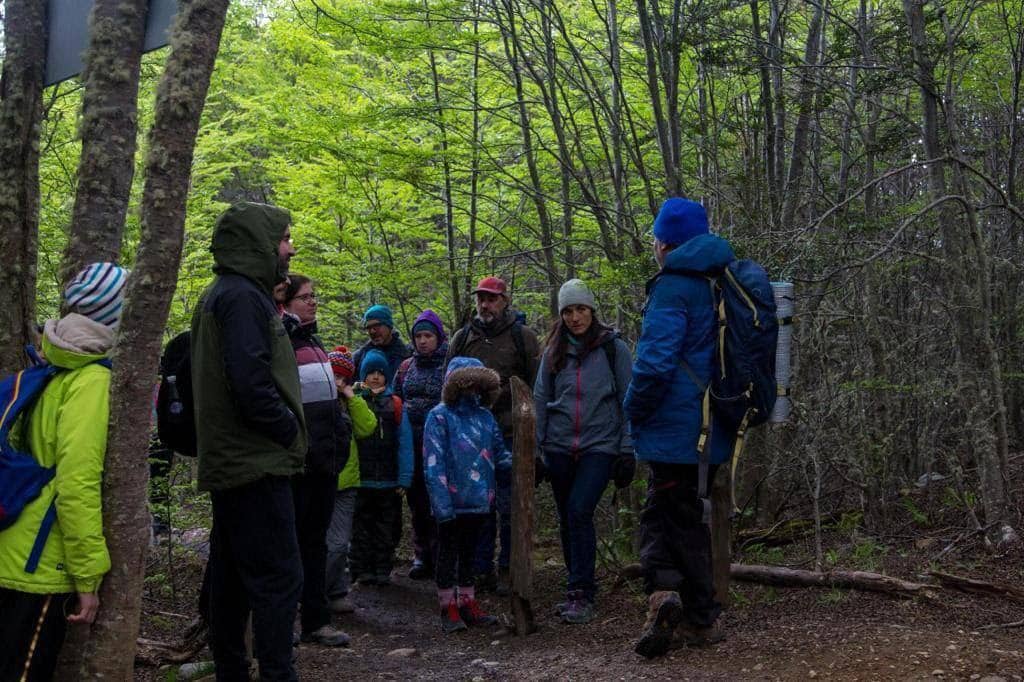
(254, 566)
(24, 617)
(373, 538)
(456, 549)
(314, 505)
(424, 527)
(675, 546)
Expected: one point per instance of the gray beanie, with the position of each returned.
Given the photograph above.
(575, 292)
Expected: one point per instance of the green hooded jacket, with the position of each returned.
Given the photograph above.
(245, 383)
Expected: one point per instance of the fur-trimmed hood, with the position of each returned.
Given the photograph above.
(467, 377)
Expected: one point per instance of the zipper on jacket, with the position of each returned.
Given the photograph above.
(576, 426)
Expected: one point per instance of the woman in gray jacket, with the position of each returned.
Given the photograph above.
(581, 432)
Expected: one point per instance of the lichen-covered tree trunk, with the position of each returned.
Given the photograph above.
(108, 131)
(195, 40)
(21, 96)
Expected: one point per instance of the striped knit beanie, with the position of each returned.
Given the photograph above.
(98, 293)
(341, 362)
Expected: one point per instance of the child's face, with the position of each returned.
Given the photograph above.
(376, 381)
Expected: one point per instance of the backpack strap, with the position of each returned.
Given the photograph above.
(703, 465)
(520, 344)
(44, 532)
(403, 370)
(396, 406)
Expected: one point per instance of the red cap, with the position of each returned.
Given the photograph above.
(492, 285)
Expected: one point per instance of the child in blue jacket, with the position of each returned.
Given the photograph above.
(462, 447)
(385, 468)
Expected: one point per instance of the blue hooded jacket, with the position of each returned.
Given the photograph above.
(462, 442)
(663, 404)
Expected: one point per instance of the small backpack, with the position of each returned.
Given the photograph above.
(175, 409)
(22, 478)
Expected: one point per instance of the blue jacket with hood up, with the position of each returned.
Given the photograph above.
(663, 403)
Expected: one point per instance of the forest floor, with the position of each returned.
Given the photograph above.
(773, 633)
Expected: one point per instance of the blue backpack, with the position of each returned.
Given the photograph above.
(22, 478)
(743, 389)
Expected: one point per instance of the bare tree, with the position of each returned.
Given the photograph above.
(195, 40)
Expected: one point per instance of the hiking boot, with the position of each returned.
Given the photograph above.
(578, 609)
(504, 587)
(473, 615)
(326, 635)
(451, 619)
(420, 571)
(560, 607)
(699, 636)
(342, 604)
(486, 582)
(664, 612)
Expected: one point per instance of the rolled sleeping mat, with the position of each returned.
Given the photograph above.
(785, 307)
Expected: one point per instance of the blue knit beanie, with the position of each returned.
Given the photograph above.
(381, 313)
(373, 361)
(679, 220)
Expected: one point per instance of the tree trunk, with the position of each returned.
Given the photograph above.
(801, 132)
(109, 129)
(195, 40)
(21, 100)
(521, 560)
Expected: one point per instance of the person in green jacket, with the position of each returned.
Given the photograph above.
(65, 429)
(251, 438)
(339, 534)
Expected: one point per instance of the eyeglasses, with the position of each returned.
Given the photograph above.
(308, 299)
(373, 326)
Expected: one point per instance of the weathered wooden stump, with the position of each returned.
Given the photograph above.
(521, 561)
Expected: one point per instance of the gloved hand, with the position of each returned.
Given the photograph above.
(624, 469)
(540, 471)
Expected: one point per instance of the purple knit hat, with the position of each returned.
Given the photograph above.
(428, 316)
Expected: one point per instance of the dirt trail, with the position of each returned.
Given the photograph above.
(774, 634)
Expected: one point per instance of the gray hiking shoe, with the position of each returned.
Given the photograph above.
(326, 635)
(578, 609)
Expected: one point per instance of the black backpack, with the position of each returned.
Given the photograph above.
(175, 409)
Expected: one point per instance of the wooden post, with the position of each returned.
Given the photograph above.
(521, 566)
(721, 533)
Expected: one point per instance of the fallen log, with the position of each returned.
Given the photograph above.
(972, 586)
(855, 580)
(791, 577)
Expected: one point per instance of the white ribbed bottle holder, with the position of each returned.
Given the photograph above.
(785, 307)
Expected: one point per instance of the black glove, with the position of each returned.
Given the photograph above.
(540, 471)
(624, 469)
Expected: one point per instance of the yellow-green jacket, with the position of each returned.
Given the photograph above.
(67, 429)
(364, 421)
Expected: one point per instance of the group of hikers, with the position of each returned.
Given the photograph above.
(307, 450)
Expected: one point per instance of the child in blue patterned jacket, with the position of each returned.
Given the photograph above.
(462, 447)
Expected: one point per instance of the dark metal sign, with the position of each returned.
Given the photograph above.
(69, 34)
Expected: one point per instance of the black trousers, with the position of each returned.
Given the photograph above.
(424, 528)
(314, 505)
(254, 566)
(22, 616)
(456, 548)
(675, 547)
(373, 538)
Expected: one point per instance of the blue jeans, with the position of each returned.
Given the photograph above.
(577, 485)
(483, 563)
